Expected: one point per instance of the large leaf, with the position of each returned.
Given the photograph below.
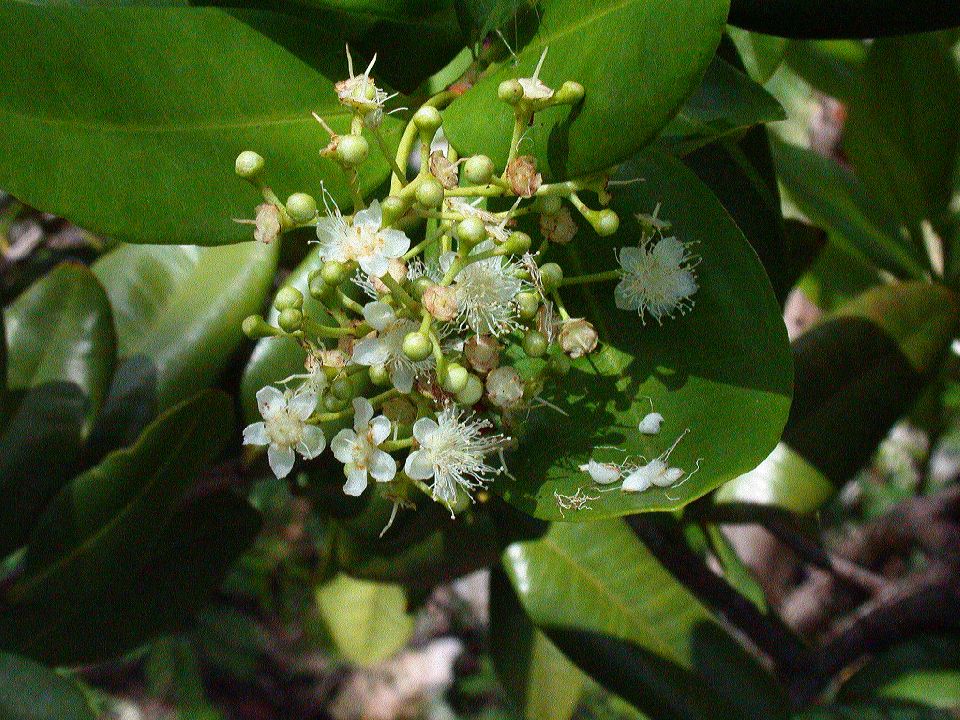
(178, 312)
(29, 691)
(761, 54)
(876, 711)
(127, 120)
(62, 350)
(124, 551)
(723, 370)
(645, 57)
(597, 592)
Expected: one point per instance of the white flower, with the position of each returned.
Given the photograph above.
(363, 240)
(314, 380)
(657, 279)
(656, 472)
(359, 450)
(486, 294)
(533, 87)
(361, 93)
(284, 428)
(387, 347)
(451, 452)
(601, 473)
(650, 425)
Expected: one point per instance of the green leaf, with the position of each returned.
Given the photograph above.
(127, 121)
(178, 312)
(541, 681)
(837, 277)
(833, 198)
(832, 66)
(367, 620)
(29, 691)
(478, 18)
(761, 54)
(875, 711)
(646, 57)
(727, 102)
(125, 551)
(61, 358)
(924, 671)
(722, 370)
(607, 603)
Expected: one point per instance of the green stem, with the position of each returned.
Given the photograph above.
(399, 174)
(439, 101)
(393, 445)
(399, 293)
(591, 278)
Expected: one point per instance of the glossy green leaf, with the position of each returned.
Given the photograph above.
(478, 18)
(61, 358)
(127, 121)
(178, 313)
(761, 54)
(607, 603)
(833, 198)
(646, 57)
(722, 370)
(125, 551)
(876, 711)
(542, 683)
(29, 691)
(726, 103)
(367, 620)
(837, 277)
(832, 66)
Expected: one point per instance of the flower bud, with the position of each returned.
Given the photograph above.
(516, 244)
(400, 410)
(249, 164)
(577, 338)
(472, 391)
(527, 304)
(559, 365)
(427, 119)
(417, 346)
(606, 223)
(455, 378)
(319, 290)
(504, 387)
(560, 227)
(255, 328)
(482, 352)
(342, 388)
(430, 193)
(267, 224)
(331, 403)
(478, 169)
(471, 230)
(301, 207)
(419, 286)
(288, 297)
(549, 204)
(443, 170)
(523, 176)
(333, 272)
(290, 320)
(510, 91)
(441, 302)
(352, 149)
(379, 375)
(393, 208)
(551, 275)
(570, 93)
(535, 344)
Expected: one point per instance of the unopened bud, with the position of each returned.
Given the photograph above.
(400, 410)
(352, 149)
(478, 169)
(549, 204)
(249, 164)
(527, 304)
(560, 227)
(342, 388)
(535, 344)
(427, 119)
(441, 302)
(290, 320)
(482, 352)
(288, 297)
(417, 346)
(577, 338)
(319, 290)
(570, 93)
(430, 193)
(379, 375)
(516, 244)
(255, 328)
(607, 223)
(551, 275)
(523, 176)
(471, 230)
(393, 208)
(472, 391)
(504, 387)
(333, 272)
(456, 378)
(301, 207)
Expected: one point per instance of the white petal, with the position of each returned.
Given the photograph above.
(374, 265)
(686, 284)
(269, 400)
(383, 467)
(623, 299)
(281, 460)
(630, 258)
(650, 425)
(302, 404)
(371, 351)
(342, 445)
(669, 251)
(402, 377)
(637, 481)
(380, 429)
(395, 243)
(418, 465)
(256, 434)
(423, 429)
(378, 315)
(372, 216)
(362, 414)
(356, 481)
(313, 442)
(668, 477)
(602, 473)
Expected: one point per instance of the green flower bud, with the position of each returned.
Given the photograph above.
(456, 378)
(249, 164)
(290, 320)
(430, 193)
(288, 297)
(478, 169)
(607, 223)
(255, 328)
(472, 391)
(516, 244)
(527, 304)
(319, 290)
(417, 346)
(510, 91)
(333, 272)
(393, 208)
(570, 93)
(379, 375)
(549, 204)
(352, 149)
(342, 388)
(471, 230)
(427, 119)
(419, 286)
(331, 403)
(559, 365)
(535, 344)
(551, 275)
(301, 207)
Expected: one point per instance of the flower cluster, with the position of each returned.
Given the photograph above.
(433, 322)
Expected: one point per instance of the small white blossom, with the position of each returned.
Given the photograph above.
(452, 449)
(601, 473)
(651, 423)
(486, 294)
(363, 240)
(359, 449)
(361, 93)
(284, 428)
(314, 380)
(386, 348)
(657, 279)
